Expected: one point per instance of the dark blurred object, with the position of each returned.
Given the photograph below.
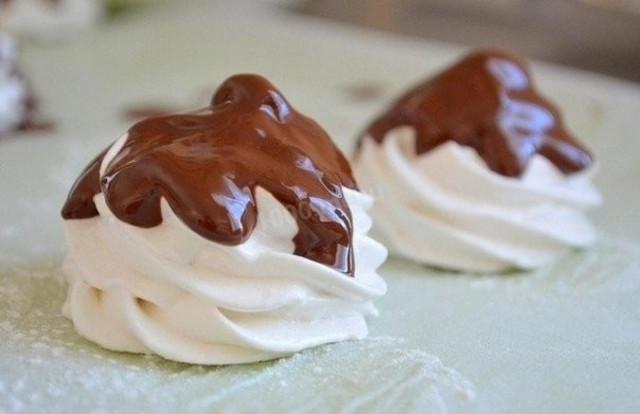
(115, 8)
(589, 34)
(18, 104)
(139, 112)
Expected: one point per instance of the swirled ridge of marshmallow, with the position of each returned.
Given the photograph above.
(447, 209)
(166, 290)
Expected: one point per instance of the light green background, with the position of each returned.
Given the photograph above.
(563, 339)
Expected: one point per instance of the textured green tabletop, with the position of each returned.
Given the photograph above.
(562, 339)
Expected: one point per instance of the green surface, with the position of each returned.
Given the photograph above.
(563, 339)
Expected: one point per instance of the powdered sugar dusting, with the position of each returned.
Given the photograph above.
(43, 362)
(379, 374)
(584, 273)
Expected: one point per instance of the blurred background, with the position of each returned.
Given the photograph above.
(596, 35)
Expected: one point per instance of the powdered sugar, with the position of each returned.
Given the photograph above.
(43, 363)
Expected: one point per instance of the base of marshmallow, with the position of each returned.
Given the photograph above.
(168, 291)
(192, 332)
(445, 208)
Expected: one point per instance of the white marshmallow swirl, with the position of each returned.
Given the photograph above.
(445, 208)
(166, 290)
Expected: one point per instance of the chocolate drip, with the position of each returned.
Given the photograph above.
(207, 164)
(79, 204)
(486, 101)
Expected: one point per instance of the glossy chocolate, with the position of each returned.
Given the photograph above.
(207, 165)
(486, 101)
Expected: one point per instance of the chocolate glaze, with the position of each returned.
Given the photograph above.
(486, 101)
(207, 164)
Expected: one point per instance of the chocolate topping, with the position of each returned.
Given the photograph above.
(486, 101)
(207, 164)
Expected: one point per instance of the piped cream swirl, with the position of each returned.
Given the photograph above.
(447, 209)
(166, 290)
